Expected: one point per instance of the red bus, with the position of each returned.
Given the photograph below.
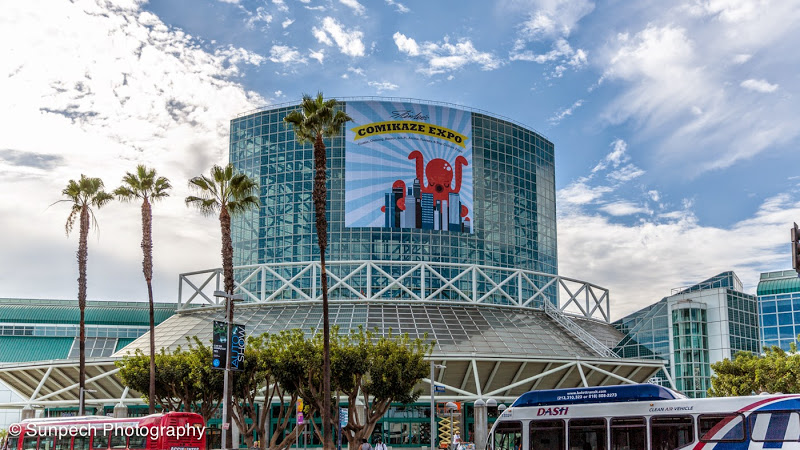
(169, 431)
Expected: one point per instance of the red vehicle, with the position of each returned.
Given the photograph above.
(169, 431)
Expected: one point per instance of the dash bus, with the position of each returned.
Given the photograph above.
(169, 431)
(645, 416)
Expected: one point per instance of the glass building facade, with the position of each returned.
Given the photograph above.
(693, 328)
(690, 343)
(779, 308)
(514, 200)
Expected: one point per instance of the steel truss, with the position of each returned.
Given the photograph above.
(401, 280)
(54, 383)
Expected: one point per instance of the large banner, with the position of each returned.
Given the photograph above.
(220, 349)
(408, 165)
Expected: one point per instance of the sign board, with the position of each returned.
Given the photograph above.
(300, 411)
(438, 388)
(408, 165)
(219, 347)
(344, 417)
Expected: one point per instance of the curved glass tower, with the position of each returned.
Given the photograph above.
(498, 176)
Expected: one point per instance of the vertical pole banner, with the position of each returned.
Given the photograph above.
(238, 340)
(220, 350)
(218, 347)
(300, 411)
(343, 419)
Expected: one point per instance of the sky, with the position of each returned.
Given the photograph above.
(674, 123)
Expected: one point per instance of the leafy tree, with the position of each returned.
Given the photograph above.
(378, 369)
(185, 379)
(146, 186)
(83, 195)
(258, 378)
(230, 193)
(319, 120)
(774, 371)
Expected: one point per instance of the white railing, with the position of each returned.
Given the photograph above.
(577, 331)
(400, 281)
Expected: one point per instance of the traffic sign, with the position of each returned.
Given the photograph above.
(438, 388)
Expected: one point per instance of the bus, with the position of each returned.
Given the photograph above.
(167, 431)
(645, 417)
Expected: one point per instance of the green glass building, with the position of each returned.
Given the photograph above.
(779, 308)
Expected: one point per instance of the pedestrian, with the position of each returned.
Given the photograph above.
(379, 445)
(456, 440)
(365, 445)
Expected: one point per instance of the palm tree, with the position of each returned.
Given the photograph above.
(144, 185)
(318, 120)
(229, 193)
(83, 195)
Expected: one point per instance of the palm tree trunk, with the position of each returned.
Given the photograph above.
(147, 268)
(227, 274)
(320, 199)
(83, 256)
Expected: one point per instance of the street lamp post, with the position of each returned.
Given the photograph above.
(433, 404)
(226, 383)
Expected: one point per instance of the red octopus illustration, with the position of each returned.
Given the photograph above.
(440, 178)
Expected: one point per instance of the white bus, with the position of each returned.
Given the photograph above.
(645, 416)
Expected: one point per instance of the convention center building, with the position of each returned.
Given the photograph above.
(441, 224)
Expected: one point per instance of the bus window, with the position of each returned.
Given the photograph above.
(547, 434)
(118, 439)
(628, 433)
(587, 434)
(507, 436)
(30, 442)
(47, 442)
(720, 427)
(774, 426)
(100, 439)
(671, 432)
(137, 442)
(80, 443)
(64, 443)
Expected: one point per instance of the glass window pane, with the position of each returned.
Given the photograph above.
(774, 426)
(628, 433)
(671, 432)
(547, 434)
(587, 434)
(507, 436)
(720, 427)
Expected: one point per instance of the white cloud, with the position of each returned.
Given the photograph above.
(285, 55)
(626, 173)
(261, 15)
(406, 44)
(674, 81)
(759, 85)
(565, 112)
(580, 193)
(281, 6)
(348, 41)
(642, 262)
(624, 208)
(741, 58)
(285, 24)
(383, 86)
(550, 18)
(399, 7)
(318, 55)
(357, 8)
(445, 57)
(617, 156)
(110, 88)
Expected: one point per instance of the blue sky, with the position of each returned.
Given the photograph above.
(675, 123)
